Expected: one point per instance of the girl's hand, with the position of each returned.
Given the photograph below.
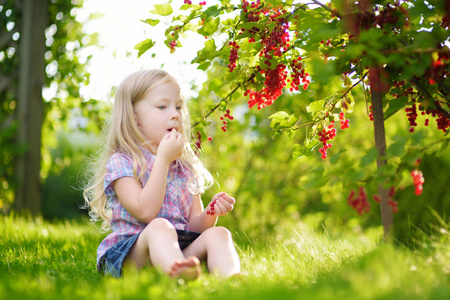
(171, 146)
(220, 205)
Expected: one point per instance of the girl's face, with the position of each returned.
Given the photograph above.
(159, 111)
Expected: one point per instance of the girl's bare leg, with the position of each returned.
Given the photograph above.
(215, 245)
(158, 245)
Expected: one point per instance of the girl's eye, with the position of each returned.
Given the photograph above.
(161, 107)
(178, 107)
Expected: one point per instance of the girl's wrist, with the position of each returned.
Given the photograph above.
(161, 159)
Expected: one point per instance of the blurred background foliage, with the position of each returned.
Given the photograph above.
(65, 71)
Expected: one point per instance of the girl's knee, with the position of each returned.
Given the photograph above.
(160, 224)
(219, 232)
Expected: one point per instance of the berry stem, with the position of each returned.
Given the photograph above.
(226, 97)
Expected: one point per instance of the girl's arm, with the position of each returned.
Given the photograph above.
(200, 220)
(145, 203)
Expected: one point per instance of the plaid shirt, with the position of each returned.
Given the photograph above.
(175, 207)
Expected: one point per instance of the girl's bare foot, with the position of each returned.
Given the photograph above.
(188, 268)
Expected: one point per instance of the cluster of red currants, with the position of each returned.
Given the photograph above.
(275, 41)
(275, 81)
(187, 2)
(418, 181)
(438, 69)
(225, 123)
(411, 113)
(233, 55)
(359, 202)
(173, 44)
(198, 142)
(345, 123)
(393, 204)
(442, 121)
(210, 211)
(326, 135)
(370, 113)
(298, 75)
(253, 5)
(202, 3)
(327, 43)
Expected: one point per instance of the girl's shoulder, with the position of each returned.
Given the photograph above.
(119, 156)
(119, 160)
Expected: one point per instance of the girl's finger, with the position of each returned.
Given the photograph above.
(229, 199)
(216, 196)
(221, 206)
(180, 138)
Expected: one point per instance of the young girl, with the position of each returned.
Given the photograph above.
(147, 186)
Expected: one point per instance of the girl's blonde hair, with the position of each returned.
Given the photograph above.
(123, 136)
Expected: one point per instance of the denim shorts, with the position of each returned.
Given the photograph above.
(111, 262)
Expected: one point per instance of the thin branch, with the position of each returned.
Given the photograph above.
(349, 89)
(360, 80)
(224, 98)
(327, 8)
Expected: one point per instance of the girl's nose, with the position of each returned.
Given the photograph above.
(175, 114)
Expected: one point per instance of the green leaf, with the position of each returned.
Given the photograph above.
(370, 157)
(322, 70)
(207, 53)
(277, 118)
(398, 148)
(423, 40)
(204, 66)
(297, 151)
(394, 106)
(151, 22)
(353, 175)
(210, 26)
(162, 9)
(444, 147)
(315, 106)
(280, 116)
(251, 25)
(289, 122)
(310, 145)
(212, 11)
(144, 46)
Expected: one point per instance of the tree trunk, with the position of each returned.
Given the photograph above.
(30, 104)
(380, 143)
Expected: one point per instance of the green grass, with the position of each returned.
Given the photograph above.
(41, 260)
